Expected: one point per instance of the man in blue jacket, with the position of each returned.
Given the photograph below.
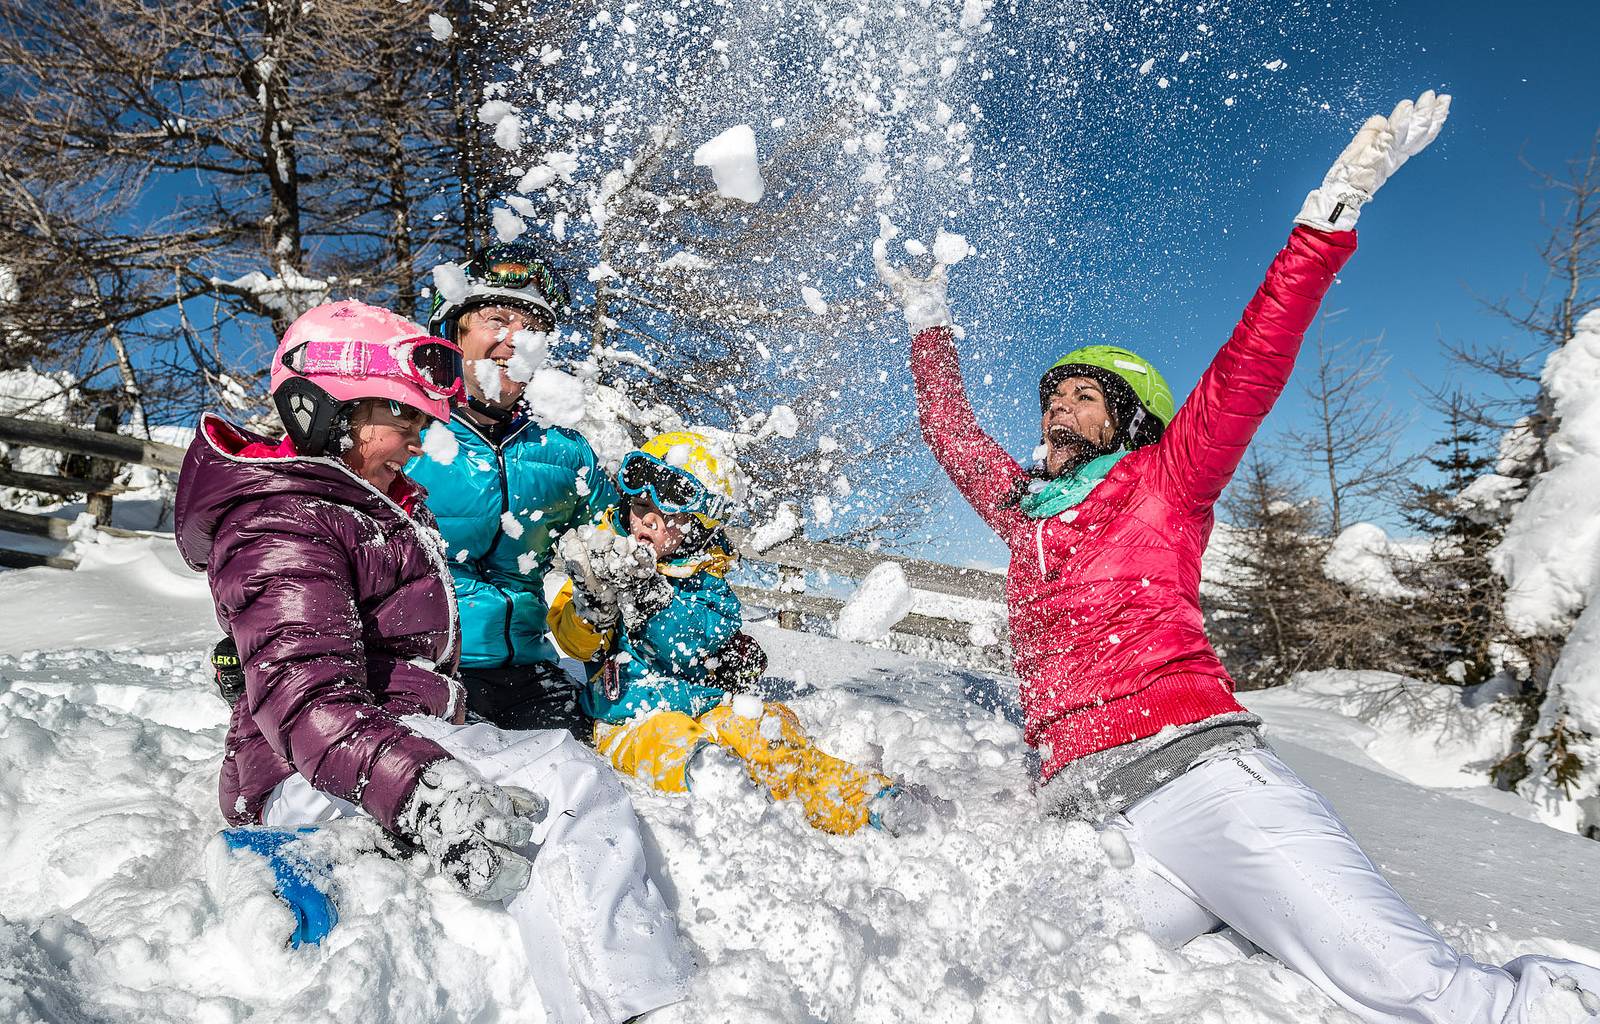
(510, 490)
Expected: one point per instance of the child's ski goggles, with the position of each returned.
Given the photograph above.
(432, 364)
(671, 489)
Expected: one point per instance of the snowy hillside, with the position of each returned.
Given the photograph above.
(110, 739)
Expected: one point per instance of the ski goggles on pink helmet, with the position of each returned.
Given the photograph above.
(354, 351)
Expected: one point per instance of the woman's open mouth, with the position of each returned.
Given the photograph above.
(1060, 436)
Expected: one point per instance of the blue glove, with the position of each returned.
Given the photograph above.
(299, 881)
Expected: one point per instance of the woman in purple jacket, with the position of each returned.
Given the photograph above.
(329, 575)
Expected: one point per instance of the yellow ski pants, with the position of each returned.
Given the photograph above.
(774, 748)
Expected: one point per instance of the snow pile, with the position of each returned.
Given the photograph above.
(1550, 557)
(112, 894)
(882, 599)
(1362, 558)
(734, 166)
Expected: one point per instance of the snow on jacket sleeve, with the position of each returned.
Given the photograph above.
(982, 470)
(1207, 439)
(702, 618)
(290, 606)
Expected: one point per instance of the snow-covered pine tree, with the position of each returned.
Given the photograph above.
(1550, 557)
(1268, 595)
(1554, 759)
(1462, 635)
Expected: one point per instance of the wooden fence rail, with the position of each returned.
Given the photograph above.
(114, 447)
(793, 558)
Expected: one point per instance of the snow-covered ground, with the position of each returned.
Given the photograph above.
(110, 740)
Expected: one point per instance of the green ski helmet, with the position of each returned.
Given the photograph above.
(1138, 395)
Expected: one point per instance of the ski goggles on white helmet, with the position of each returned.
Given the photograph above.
(433, 365)
(512, 266)
(670, 489)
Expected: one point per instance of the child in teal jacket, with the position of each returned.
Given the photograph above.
(650, 607)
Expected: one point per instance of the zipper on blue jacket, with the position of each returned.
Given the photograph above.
(505, 506)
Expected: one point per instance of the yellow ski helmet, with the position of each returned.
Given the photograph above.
(684, 471)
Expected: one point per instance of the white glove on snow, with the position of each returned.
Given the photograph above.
(469, 827)
(1377, 151)
(594, 602)
(923, 300)
(626, 569)
(906, 808)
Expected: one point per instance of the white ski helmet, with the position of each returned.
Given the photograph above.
(505, 274)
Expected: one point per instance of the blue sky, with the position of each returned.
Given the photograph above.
(1109, 208)
(1144, 215)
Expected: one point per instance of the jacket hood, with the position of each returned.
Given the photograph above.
(226, 465)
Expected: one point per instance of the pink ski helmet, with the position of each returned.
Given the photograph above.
(338, 354)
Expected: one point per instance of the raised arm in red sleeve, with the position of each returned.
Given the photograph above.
(1206, 440)
(982, 470)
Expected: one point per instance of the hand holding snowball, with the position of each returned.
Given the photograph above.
(626, 569)
(923, 300)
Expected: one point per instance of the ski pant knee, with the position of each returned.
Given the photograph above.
(656, 748)
(774, 748)
(1240, 839)
(780, 756)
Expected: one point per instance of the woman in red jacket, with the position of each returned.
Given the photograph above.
(1131, 711)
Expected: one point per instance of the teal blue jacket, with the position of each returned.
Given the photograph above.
(662, 665)
(665, 667)
(549, 480)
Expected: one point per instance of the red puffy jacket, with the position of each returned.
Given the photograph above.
(1104, 599)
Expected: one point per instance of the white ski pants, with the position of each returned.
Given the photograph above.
(600, 941)
(1241, 840)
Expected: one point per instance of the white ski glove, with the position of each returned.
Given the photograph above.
(594, 602)
(1377, 151)
(470, 829)
(627, 569)
(923, 300)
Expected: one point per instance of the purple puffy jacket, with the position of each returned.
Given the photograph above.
(341, 604)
